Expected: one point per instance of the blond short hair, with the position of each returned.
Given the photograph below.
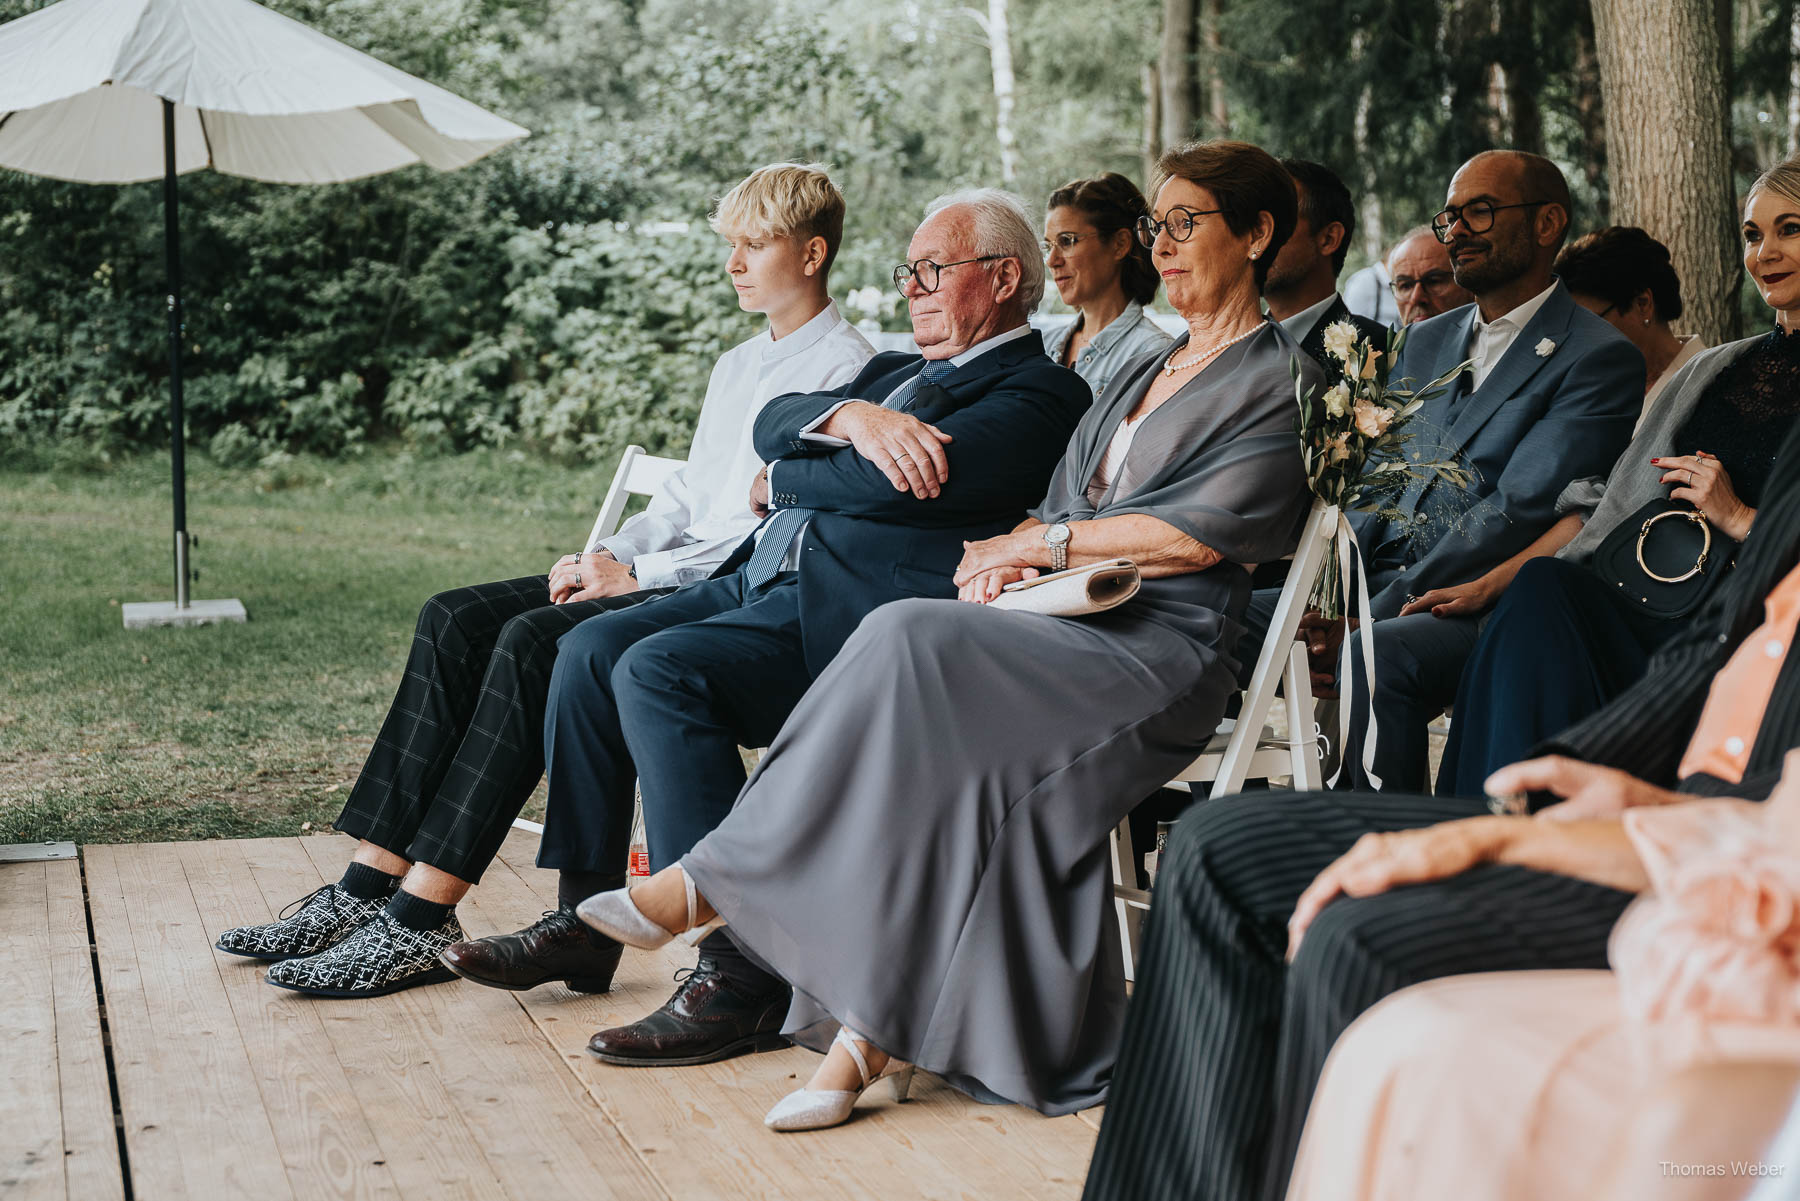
(785, 200)
(1783, 179)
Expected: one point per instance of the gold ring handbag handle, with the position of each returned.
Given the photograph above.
(1705, 547)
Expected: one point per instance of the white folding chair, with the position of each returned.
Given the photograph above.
(1245, 746)
(640, 474)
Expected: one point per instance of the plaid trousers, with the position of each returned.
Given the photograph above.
(462, 746)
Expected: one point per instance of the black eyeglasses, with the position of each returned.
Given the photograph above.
(1431, 281)
(1477, 216)
(1064, 243)
(926, 273)
(1179, 224)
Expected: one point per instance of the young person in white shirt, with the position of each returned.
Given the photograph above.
(462, 746)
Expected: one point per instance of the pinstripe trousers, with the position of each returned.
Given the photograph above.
(462, 745)
(1224, 1040)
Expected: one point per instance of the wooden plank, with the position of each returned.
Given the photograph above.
(327, 1145)
(194, 1121)
(701, 1128)
(541, 1134)
(56, 1121)
(90, 1138)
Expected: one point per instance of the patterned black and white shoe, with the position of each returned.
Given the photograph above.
(381, 957)
(310, 925)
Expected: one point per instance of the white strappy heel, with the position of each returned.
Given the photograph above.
(617, 916)
(809, 1109)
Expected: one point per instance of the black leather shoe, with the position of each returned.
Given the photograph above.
(706, 1020)
(555, 947)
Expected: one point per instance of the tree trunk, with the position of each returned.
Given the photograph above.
(1152, 148)
(1176, 70)
(1590, 115)
(1374, 244)
(1000, 53)
(1669, 146)
(1793, 104)
(1211, 17)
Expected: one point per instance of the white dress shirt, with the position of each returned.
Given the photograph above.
(789, 560)
(701, 514)
(1493, 338)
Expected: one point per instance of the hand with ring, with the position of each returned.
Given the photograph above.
(908, 451)
(1702, 481)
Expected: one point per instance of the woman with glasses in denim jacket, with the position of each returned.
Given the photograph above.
(1104, 272)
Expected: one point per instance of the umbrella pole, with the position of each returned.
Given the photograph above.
(177, 461)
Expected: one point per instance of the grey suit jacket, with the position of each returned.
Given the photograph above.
(1537, 422)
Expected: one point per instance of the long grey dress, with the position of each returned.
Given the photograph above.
(922, 852)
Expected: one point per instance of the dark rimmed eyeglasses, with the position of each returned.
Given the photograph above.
(1179, 224)
(1477, 216)
(927, 274)
(1431, 281)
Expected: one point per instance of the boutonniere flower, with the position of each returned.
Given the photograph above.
(1545, 348)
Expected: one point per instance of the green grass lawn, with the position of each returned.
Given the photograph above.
(109, 735)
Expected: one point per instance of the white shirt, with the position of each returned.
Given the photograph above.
(789, 560)
(701, 514)
(1493, 338)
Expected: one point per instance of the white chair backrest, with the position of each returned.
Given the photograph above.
(639, 473)
(1276, 651)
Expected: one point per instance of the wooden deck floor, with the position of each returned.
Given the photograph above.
(219, 1086)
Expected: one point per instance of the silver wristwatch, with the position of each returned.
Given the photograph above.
(1056, 537)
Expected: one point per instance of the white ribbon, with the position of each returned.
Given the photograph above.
(1346, 546)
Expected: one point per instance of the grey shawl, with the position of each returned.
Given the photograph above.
(1633, 482)
(1219, 460)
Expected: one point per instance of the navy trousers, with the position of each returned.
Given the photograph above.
(660, 700)
(1560, 645)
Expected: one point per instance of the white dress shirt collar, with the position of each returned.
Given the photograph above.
(805, 338)
(1493, 338)
(980, 348)
(1300, 324)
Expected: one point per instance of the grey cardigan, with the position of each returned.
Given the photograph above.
(1633, 482)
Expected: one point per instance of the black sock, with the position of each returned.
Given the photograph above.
(416, 913)
(367, 883)
(572, 888)
(744, 976)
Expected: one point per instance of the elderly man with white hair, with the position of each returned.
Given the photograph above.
(871, 491)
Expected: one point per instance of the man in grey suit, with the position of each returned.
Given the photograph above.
(1550, 396)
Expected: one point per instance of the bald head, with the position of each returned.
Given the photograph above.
(1513, 217)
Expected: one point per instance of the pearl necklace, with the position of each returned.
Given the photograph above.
(1170, 366)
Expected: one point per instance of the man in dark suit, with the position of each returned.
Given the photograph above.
(871, 490)
(1301, 291)
(1226, 1035)
(1550, 395)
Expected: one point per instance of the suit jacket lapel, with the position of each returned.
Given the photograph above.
(1456, 346)
(971, 381)
(1514, 370)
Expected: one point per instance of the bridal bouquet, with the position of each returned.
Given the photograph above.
(1361, 446)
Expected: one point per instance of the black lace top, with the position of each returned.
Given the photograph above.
(1746, 412)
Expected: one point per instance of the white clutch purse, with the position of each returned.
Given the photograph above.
(1076, 592)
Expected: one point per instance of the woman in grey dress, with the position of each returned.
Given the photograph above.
(922, 852)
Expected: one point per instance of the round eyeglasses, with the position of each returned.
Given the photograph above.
(927, 274)
(1179, 224)
(1477, 216)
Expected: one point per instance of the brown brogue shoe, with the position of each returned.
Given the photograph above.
(706, 1020)
(555, 947)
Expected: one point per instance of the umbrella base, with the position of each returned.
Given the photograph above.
(142, 615)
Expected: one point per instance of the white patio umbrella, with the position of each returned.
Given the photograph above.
(87, 87)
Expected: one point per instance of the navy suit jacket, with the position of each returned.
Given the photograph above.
(1010, 414)
(1537, 422)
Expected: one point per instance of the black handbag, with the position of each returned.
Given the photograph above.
(1665, 559)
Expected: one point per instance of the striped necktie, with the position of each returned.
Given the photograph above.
(778, 535)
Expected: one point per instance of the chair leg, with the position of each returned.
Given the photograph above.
(1124, 874)
(1303, 743)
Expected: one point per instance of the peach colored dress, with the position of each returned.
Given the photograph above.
(1519, 1085)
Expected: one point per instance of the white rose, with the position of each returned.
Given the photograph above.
(1545, 348)
(1337, 401)
(1340, 341)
